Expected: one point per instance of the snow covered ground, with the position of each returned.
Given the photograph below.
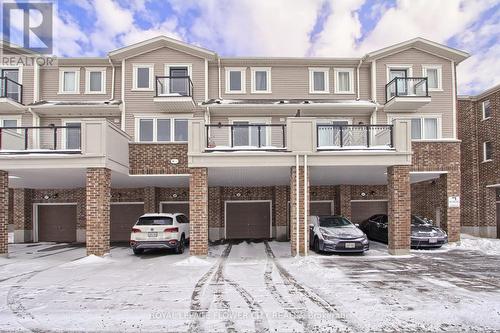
(251, 287)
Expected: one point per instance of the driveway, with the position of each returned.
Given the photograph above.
(248, 287)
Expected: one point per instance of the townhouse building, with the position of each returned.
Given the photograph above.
(479, 130)
(247, 147)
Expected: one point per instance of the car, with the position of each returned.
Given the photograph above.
(336, 234)
(160, 231)
(423, 233)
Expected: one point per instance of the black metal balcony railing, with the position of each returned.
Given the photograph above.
(42, 139)
(332, 137)
(174, 86)
(406, 87)
(246, 136)
(11, 89)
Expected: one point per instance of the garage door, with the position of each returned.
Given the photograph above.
(498, 219)
(122, 219)
(56, 223)
(248, 220)
(320, 208)
(175, 207)
(362, 210)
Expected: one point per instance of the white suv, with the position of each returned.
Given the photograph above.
(160, 231)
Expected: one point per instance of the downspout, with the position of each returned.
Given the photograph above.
(297, 224)
(112, 80)
(219, 79)
(306, 201)
(357, 79)
(123, 96)
(35, 123)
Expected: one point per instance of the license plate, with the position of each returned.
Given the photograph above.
(152, 234)
(433, 240)
(350, 245)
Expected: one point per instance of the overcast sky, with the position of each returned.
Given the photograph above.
(333, 28)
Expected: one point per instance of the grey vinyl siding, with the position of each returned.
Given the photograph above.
(28, 82)
(442, 101)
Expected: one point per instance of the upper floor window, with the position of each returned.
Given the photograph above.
(142, 77)
(319, 81)
(69, 80)
(72, 134)
(95, 80)
(261, 80)
(433, 73)
(177, 83)
(487, 151)
(235, 80)
(486, 107)
(423, 127)
(11, 121)
(344, 80)
(152, 129)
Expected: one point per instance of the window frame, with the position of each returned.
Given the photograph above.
(252, 120)
(17, 118)
(326, 71)
(336, 72)
(167, 67)
(408, 68)
(135, 68)
(253, 81)
(89, 70)
(485, 159)
(155, 119)
(64, 122)
(483, 109)
(439, 69)
(243, 71)
(75, 70)
(422, 116)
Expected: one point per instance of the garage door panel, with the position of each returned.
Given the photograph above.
(362, 210)
(320, 208)
(175, 207)
(122, 219)
(57, 223)
(248, 220)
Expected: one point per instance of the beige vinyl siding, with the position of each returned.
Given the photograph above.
(49, 82)
(213, 81)
(142, 101)
(364, 83)
(442, 101)
(118, 83)
(28, 84)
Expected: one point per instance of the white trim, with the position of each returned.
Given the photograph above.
(484, 152)
(64, 121)
(326, 71)
(36, 83)
(127, 203)
(206, 80)
(167, 73)
(336, 72)
(35, 215)
(454, 98)
(439, 69)
(421, 116)
(325, 121)
(243, 71)
(123, 115)
(160, 204)
(254, 120)
(155, 118)
(20, 71)
(89, 70)
(63, 70)
(268, 80)
(249, 201)
(388, 68)
(374, 80)
(483, 109)
(409, 44)
(17, 118)
(135, 67)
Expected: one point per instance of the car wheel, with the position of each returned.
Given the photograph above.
(180, 246)
(138, 251)
(316, 246)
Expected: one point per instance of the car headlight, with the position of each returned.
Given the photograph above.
(329, 237)
(364, 241)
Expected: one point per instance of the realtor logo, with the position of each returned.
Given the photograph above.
(28, 25)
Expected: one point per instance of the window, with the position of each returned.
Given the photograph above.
(344, 80)
(12, 91)
(72, 135)
(246, 136)
(143, 77)
(177, 82)
(235, 80)
(424, 127)
(69, 81)
(433, 73)
(487, 151)
(9, 123)
(486, 109)
(161, 130)
(330, 135)
(319, 81)
(261, 80)
(95, 80)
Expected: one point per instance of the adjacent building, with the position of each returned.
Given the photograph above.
(479, 130)
(248, 147)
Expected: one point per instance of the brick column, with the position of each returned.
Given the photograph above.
(398, 191)
(22, 212)
(451, 218)
(198, 211)
(150, 200)
(345, 201)
(293, 210)
(4, 212)
(98, 193)
(280, 212)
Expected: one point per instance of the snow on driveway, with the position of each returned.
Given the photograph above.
(248, 287)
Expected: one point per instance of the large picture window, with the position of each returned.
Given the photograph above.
(161, 130)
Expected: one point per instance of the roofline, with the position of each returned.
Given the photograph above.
(291, 58)
(480, 95)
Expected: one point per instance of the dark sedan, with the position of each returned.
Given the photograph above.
(336, 234)
(423, 233)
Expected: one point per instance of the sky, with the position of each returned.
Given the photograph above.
(331, 28)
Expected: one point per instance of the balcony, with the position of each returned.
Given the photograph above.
(174, 93)
(354, 137)
(245, 137)
(11, 96)
(406, 94)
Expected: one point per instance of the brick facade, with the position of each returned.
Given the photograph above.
(156, 158)
(4, 212)
(399, 207)
(198, 211)
(98, 195)
(302, 234)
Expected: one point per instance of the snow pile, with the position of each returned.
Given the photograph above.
(488, 246)
(193, 261)
(88, 260)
